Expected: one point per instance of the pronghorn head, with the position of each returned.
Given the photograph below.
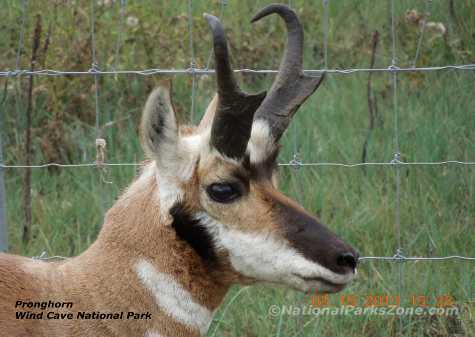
(217, 181)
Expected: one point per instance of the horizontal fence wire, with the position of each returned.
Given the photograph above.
(293, 163)
(417, 258)
(94, 71)
(396, 258)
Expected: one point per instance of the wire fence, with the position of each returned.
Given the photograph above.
(393, 69)
(95, 71)
(294, 163)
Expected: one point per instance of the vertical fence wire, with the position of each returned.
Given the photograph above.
(295, 156)
(295, 149)
(193, 60)
(3, 207)
(397, 155)
(294, 127)
(20, 46)
(100, 141)
(94, 69)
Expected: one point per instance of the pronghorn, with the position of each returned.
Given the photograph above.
(203, 214)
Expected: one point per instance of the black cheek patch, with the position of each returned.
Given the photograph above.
(193, 232)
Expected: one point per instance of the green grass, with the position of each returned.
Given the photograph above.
(435, 123)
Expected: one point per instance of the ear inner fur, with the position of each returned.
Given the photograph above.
(158, 127)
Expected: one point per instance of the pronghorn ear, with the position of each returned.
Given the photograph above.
(159, 129)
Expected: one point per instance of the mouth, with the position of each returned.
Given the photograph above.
(330, 286)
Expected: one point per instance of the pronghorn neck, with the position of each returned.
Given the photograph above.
(170, 275)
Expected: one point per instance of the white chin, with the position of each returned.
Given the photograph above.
(318, 287)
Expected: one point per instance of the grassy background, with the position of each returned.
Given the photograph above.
(435, 123)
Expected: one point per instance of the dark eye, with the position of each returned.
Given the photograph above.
(223, 192)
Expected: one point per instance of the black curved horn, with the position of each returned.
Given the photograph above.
(232, 123)
(291, 86)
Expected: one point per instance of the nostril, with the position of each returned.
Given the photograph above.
(347, 260)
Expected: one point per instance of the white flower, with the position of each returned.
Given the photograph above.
(132, 21)
(437, 28)
(105, 3)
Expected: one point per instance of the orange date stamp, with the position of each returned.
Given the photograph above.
(381, 300)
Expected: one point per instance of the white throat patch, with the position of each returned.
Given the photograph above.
(172, 298)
